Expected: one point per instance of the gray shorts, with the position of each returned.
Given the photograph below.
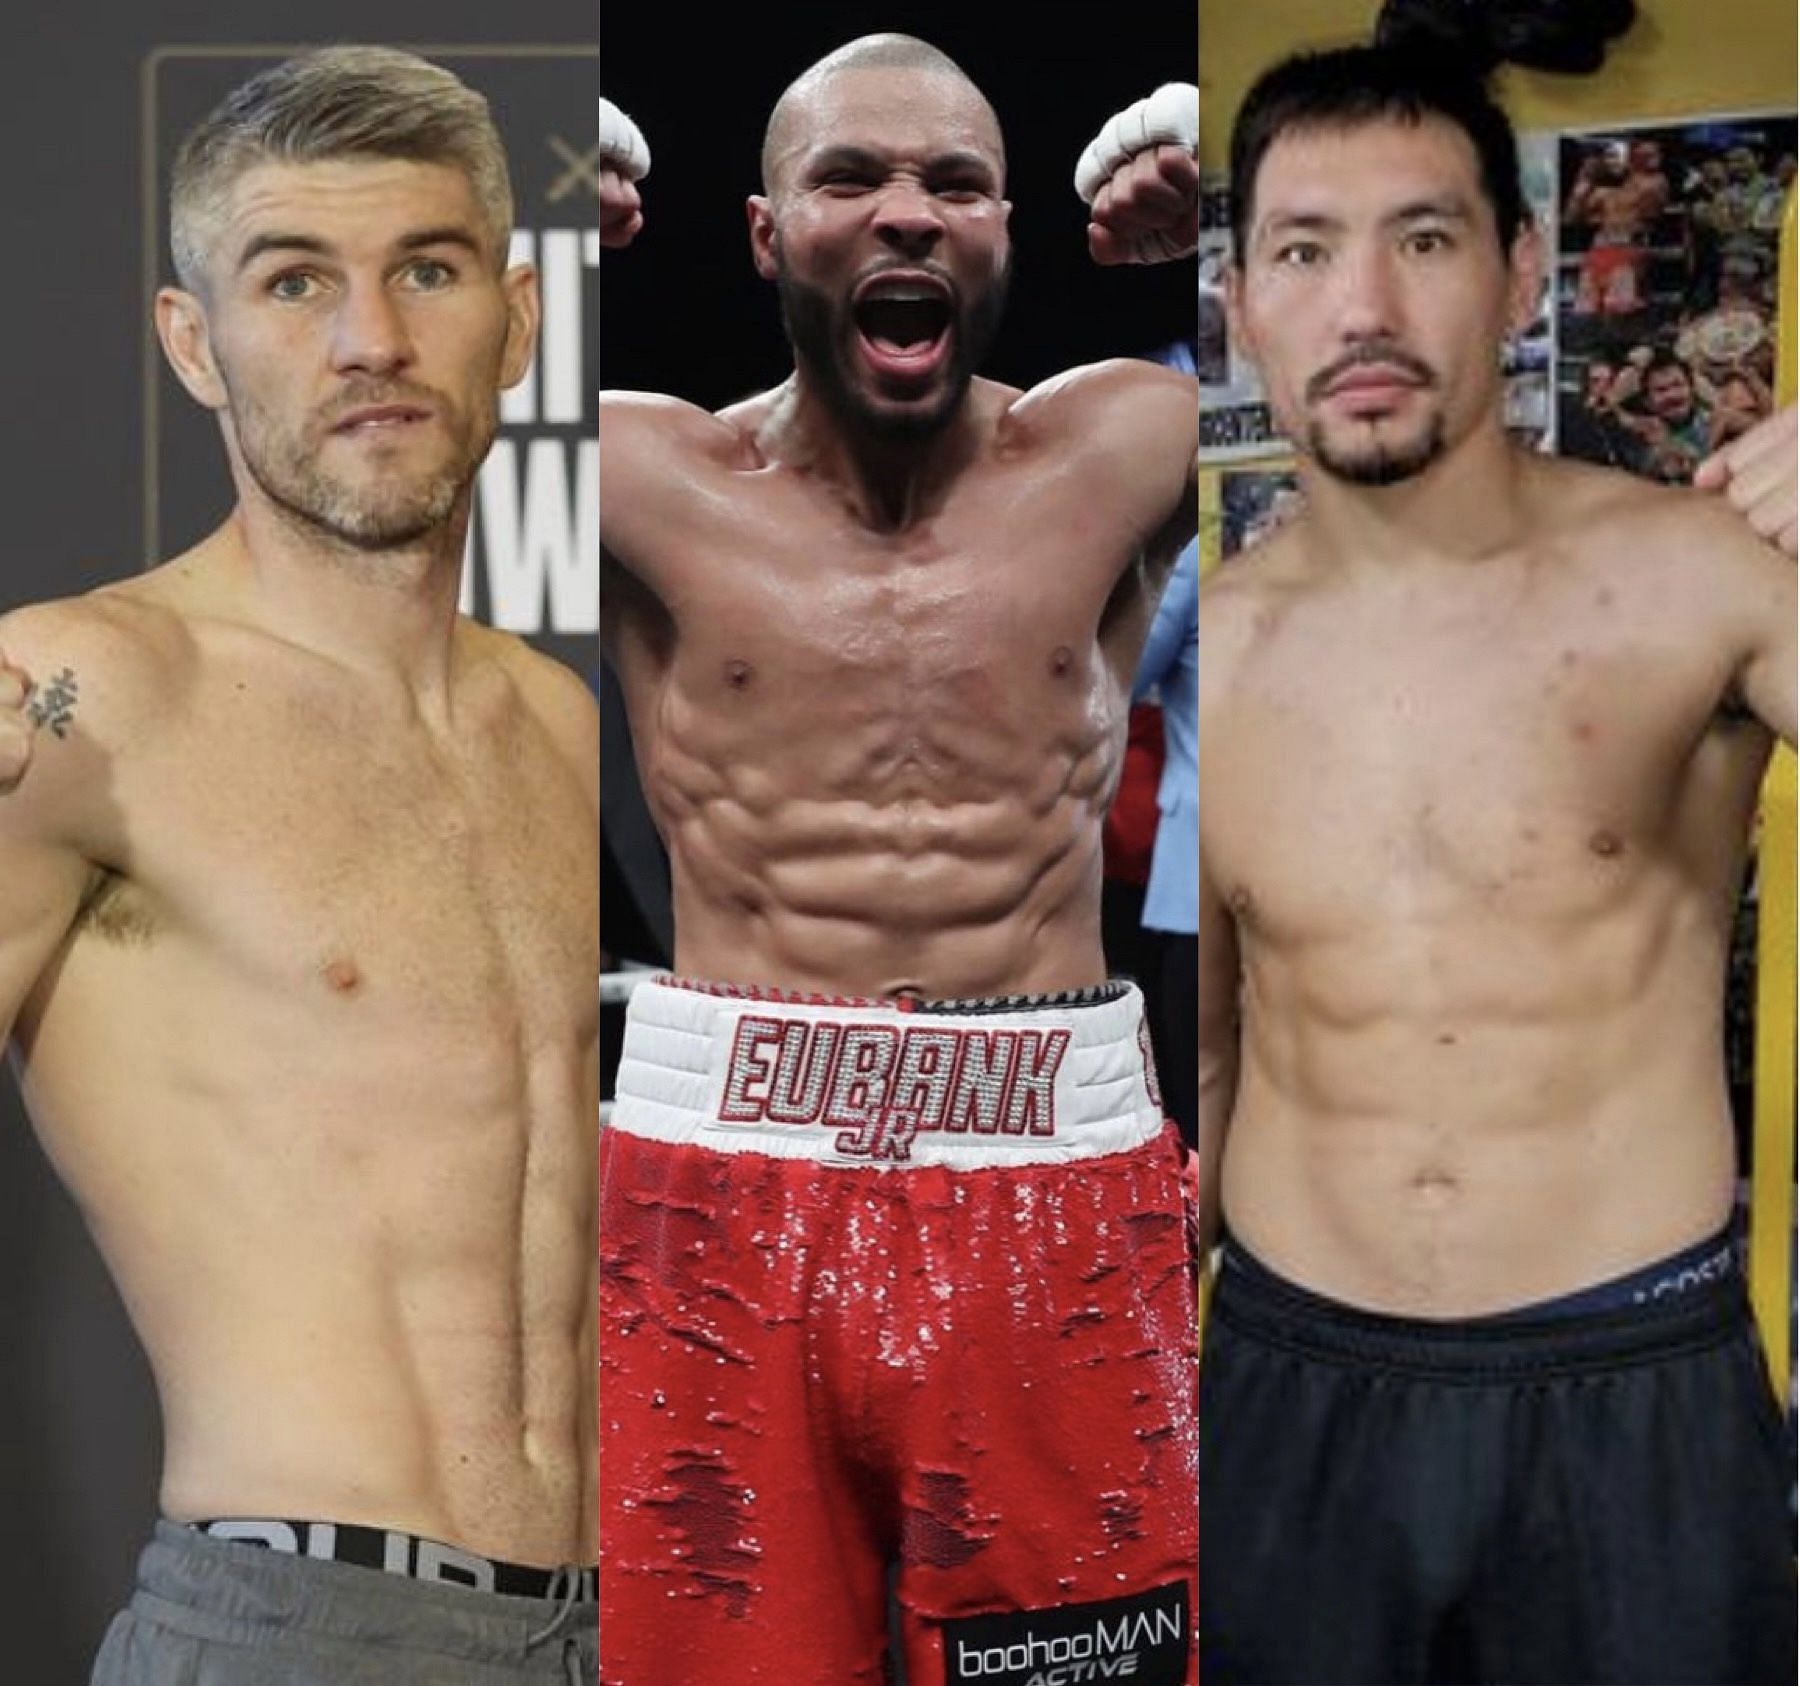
(210, 1612)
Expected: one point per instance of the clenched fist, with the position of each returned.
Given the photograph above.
(1756, 474)
(624, 162)
(18, 730)
(1141, 182)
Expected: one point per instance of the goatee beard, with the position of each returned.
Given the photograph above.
(1377, 465)
(1374, 464)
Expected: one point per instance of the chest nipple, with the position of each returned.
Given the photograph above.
(342, 975)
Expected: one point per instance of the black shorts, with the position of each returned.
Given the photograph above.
(1581, 1498)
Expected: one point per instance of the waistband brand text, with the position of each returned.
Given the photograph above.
(880, 1085)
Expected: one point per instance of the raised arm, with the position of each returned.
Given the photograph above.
(1140, 179)
(624, 162)
(1755, 476)
(45, 757)
(1172, 629)
(660, 453)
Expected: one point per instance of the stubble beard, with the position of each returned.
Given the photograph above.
(388, 511)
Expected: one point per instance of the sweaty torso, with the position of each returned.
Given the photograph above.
(881, 759)
(1480, 828)
(318, 1062)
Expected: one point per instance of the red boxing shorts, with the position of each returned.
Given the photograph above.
(894, 1300)
(1610, 281)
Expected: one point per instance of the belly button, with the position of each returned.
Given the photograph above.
(737, 675)
(1062, 658)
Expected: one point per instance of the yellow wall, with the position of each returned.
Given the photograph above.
(1682, 57)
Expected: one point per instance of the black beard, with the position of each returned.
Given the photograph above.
(819, 332)
(1377, 466)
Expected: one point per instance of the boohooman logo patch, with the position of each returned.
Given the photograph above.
(1142, 1639)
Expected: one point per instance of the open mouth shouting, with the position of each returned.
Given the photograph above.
(904, 320)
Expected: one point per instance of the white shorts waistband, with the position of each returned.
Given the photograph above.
(1014, 1081)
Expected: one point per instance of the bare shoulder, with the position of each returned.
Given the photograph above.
(1239, 602)
(1687, 549)
(116, 658)
(107, 670)
(657, 451)
(1122, 401)
(557, 697)
(647, 428)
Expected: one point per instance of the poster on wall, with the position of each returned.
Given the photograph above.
(1528, 359)
(1253, 504)
(1666, 272)
(1234, 421)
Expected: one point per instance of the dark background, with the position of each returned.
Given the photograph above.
(684, 312)
(79, 1434)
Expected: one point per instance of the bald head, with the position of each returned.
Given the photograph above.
(806, 103)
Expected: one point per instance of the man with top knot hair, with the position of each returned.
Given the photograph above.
(1480, 739)
(895, 1276)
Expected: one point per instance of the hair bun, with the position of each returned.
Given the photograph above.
(1567, 36)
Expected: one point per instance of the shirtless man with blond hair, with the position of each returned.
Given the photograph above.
(893, 1268)
(298, 935)
(1481, 734)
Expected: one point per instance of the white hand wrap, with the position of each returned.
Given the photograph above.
(622, 143)
(1169, 117)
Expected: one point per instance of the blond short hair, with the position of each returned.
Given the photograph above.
(334, 103)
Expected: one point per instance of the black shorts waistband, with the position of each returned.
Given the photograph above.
(1545, 1340)
(1693, 1267)
(411, 1556)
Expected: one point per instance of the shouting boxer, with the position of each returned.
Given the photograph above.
(894, 1275)
(1480, 739)
(298, 936)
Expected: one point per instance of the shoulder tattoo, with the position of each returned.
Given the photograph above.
(52, 704)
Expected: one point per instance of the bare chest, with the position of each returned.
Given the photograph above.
(1520, 753)
(987, 628)
(314, 849)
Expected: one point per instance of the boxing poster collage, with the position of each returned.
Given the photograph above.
(872, 847)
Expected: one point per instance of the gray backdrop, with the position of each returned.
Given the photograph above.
(107, 466)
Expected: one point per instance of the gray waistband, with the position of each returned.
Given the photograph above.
(225, 1590)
